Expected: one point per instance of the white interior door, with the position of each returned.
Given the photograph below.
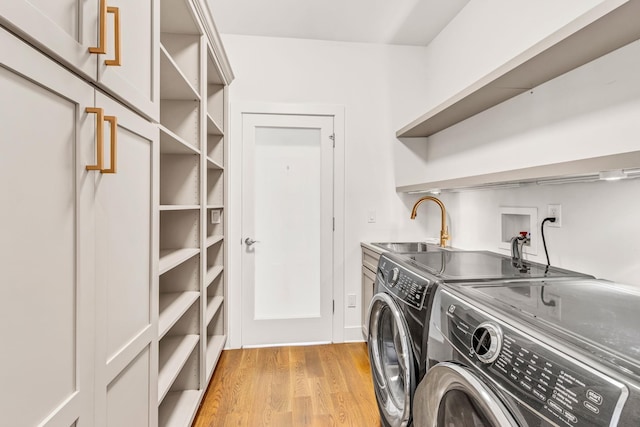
(287, 210)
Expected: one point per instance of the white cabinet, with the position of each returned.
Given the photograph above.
(47, 226)
(74, 32)
(126, 357)
(113, 255)
(370, 260)
(77, 271)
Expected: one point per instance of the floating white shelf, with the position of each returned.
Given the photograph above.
(212, 164)
(215, 207)
(170, 143)
(174, 352)
(170, 258)
(172, 306)
(604, 29)
(179, 207)
(178, 408)
(212, 240)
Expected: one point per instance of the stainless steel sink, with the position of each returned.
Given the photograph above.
(406, 247)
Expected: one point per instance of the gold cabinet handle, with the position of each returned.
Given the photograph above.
(116, 36)
(99, 112)
(113, 120)
(102, 34)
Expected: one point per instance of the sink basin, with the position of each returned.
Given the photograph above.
(406, 247)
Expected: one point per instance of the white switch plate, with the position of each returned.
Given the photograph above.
(351, 300)
(215, 216)
(371, 217)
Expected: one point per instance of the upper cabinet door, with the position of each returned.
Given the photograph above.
(65, 29)
(129, 69)
(47, 255)
(111, 42)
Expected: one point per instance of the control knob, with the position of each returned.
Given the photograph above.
(393, 277)
(486, 342)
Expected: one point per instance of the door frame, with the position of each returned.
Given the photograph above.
(235, 176)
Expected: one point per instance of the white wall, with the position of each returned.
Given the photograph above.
(375, 83)
(385, 87)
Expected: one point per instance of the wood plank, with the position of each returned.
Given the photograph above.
(291, 386)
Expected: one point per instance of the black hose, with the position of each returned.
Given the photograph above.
(544, 242)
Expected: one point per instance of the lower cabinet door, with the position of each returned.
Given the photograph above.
(47, 234)
(368, 285)
(126, 344)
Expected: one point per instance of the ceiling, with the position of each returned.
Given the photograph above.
(403, 22)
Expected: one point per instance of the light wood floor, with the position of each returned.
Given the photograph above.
(324, 385)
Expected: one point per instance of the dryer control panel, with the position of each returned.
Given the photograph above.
(535, 371)
(407, 286)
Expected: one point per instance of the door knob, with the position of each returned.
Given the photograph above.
(249, 241)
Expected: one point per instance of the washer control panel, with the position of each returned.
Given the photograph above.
(404, 284)
(555, 385)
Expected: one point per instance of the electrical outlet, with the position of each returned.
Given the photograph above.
(371, 216)
(554, 211)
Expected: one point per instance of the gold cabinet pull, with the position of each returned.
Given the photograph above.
(102, 35)
(116, 36)
(99, 112)
(113, 120)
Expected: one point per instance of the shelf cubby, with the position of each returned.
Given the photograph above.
(215, 148)
(179, 237)
(178, 17)
(174, 354)
(178, 407)
(215, 102)
(182, 117)
(170, 143)
(213, 128)
(214, 278)
(215, 187)
(215, 339)
(170, 258)
(183, 50)
(174, 84)
(179, 290)
(215, 255)
(213, 306)
(212, 164)
(179, 179)
(177, 350)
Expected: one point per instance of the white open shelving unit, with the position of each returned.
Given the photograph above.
(607, 27)
(192, 325)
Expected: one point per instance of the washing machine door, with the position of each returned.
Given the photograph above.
(451, 395)
(392, 361)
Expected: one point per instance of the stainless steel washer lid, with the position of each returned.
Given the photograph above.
(600, 316)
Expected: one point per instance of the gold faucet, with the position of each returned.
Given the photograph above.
(444, 230)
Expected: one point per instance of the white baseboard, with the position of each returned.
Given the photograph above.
(353, 334)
